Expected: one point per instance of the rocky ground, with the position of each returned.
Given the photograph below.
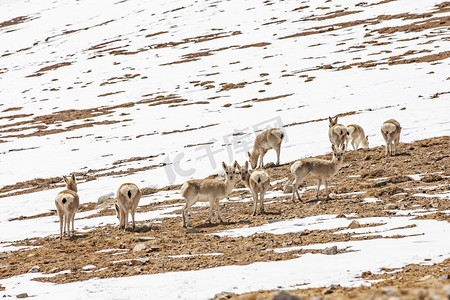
(162, 246)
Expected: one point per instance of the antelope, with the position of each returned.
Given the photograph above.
(128, 196)
(337, 133)
(356, 134)
(257, 182)
(391, 133)
(67, 203)
(269, 139)
(212, 190)
(316, 169)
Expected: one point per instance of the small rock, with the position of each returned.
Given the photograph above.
(35, 269)
(317, 298)
(305, 232)
(445, 269)
(139, 261)
(148, 191)
(153, 247)
(426, 278)
(192, 230)
(298, 241)
(54, 270)
(330, 250)
(366, 274)
(223, 296)
(443, 277)
(340, 216)
(105, 202)
(399, 179)
(287, 187)
(354, 224)
(145, 238)
(139, 247)
(331, 289)
(380, 184)
(431, 178)
(23, 295)
(282, 295)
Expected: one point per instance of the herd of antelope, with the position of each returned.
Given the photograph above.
(257, 181)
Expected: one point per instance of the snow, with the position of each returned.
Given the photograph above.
(371, 200)
(289, 226)
(73, 31)
(423, 241)
(385, 93)
(443, 195)
(193, 255)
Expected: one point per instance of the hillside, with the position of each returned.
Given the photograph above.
(160, 92)
(372, 189)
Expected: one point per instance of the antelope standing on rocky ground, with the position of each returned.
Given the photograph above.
(67, 203)
(269, 139)
(391, 133)
(356, 135)
(337, 133)
(212, 190)
(128, 196)
(316, 169)
(257, 182)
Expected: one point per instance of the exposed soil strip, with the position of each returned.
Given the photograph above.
(167, 243)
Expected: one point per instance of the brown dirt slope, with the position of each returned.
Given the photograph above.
(165, 243)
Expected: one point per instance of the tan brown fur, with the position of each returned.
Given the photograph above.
(67, 203)
(258, 182)
(269, 139)
(212, 190)
(356, 135)
(316, 169)
(128, 196)
(337, 133)
(391, 133)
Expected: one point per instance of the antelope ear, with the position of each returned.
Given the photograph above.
(246, 165)
(73, 176)
(330, 120)
(367, 137)
(65, 179)
(235, 165)
(224, 165)
(333, 148)
(249, 155)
